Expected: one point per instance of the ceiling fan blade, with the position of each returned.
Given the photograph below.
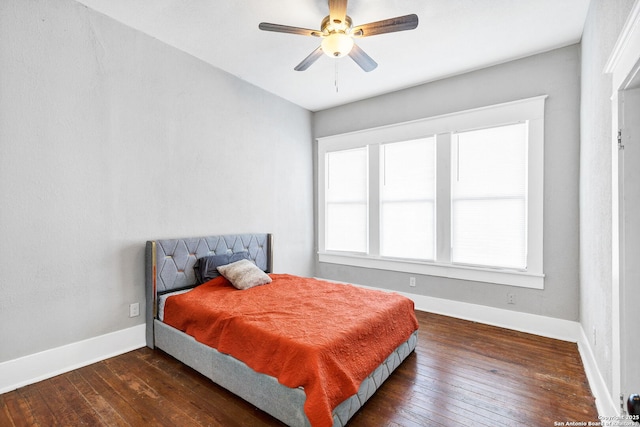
(391, 25)
(309, 60)
(266, 26)
(362, 59)
(338, 10)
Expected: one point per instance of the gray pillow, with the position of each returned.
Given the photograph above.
(244, 274)
(206, 268)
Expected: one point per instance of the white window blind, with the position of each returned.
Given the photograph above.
(346, 198)
(489, 197)
(407, 199)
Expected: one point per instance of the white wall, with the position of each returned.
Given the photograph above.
(109, 138)
(555, 74)
(604, 22)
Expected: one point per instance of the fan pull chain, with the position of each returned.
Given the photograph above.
(335, 79)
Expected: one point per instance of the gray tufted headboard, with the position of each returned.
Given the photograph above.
(169, 263)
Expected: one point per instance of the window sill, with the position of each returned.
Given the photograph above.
(521, 279)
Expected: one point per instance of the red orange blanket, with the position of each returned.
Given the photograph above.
(323, 336)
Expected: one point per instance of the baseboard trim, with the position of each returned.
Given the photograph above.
(561, 329)
(604, 400)
(36, 367)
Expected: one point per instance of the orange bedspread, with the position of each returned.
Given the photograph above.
(323, 336)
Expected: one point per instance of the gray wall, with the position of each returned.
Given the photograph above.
(109, 138)
(555, 74)
(604, 22)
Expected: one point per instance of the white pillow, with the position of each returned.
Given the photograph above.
(244, 274)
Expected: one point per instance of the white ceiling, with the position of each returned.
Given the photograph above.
(453, 37)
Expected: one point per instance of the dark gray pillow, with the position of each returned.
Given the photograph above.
(206, 268)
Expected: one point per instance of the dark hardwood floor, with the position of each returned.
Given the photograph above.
(461, 374)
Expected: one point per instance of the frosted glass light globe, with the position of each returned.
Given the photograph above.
(337, 45)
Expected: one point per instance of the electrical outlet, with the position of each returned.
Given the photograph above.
(134, 309)
(412, 281)
(511, 298)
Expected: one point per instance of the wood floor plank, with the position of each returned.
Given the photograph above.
(64, 402)
(200, 393)
(13, 407)
(150, 403)
(76, 402)
(182, 397)
(461, 374)
(37, 412)
(482, 384)
(485, 412)
(104, 410)
(105, 385)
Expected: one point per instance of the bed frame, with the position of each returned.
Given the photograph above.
(169, 267)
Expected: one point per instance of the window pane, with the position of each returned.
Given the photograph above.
(347, 175)
(347, 227)
(407, 199)
(346, 200)
(489, 197)
(407, 230)
(490, 162)
(489, 233)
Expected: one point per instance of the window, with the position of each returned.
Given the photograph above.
(407, 199)
(457, 196)
(346, 200)
(489, 197)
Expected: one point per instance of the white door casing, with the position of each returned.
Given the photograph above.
(623, 65)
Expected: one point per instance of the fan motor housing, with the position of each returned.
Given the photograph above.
(327, 26)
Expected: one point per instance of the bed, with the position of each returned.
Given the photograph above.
(171, 280)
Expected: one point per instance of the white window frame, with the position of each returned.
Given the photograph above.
(530, 110)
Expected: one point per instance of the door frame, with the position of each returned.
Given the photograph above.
(623, 65)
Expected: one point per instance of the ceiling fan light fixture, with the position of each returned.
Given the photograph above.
(337, 33)
(337, 45)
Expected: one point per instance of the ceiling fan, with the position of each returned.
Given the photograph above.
(338, 34)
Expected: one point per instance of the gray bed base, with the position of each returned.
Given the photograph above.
(169, 266)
